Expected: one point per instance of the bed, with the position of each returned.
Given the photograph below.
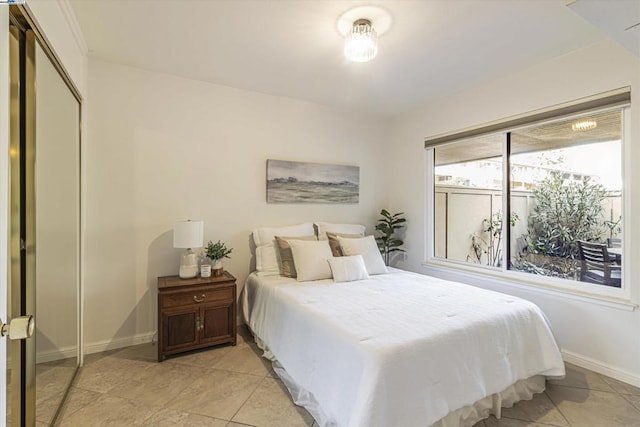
(400, 349)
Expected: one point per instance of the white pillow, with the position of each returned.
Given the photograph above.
(266, 249)
(323, 227)
(267, 260)
(366, 247)
(348, 268)
(310, 258)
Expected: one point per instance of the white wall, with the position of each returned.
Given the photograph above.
(601, 337)
(164, 149)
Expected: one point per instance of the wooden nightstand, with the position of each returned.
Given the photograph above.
(195, 313)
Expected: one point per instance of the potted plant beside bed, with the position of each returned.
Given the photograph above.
(387, 226)
(215, 252)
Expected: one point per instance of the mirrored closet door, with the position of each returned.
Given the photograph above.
(57, 236)
(45, 228)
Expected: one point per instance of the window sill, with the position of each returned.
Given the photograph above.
(503, 281)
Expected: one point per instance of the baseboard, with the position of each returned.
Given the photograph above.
(58, 354)
(100, 346)
(601, 368)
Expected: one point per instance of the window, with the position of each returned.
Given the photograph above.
(470, 194)
(542, 198)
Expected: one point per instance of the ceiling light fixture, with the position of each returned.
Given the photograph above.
(584, 125)
(361, 44)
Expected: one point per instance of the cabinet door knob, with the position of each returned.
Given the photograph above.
(196, 299)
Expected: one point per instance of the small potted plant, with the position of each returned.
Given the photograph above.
(215, 252)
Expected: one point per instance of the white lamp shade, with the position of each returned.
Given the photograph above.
(188, 234)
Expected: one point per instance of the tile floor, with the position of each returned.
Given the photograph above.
(234, 386)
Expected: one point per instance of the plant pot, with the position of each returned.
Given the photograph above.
(216, 268)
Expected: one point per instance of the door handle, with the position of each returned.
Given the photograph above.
(18, 328)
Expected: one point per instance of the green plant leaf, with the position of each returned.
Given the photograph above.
(217, 251)
(387, 227)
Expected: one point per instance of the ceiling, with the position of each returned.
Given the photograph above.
(293, 48)
(618, 19)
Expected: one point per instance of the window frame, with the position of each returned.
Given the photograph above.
(574, 287)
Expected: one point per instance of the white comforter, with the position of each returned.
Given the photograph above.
(400, 349)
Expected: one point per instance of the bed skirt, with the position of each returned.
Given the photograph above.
(466, 416)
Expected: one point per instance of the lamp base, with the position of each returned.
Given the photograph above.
(188, 272)
(188, 265)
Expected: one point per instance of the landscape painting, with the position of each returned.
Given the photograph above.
(299, 182)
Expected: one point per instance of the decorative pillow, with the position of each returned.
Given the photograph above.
(324, 227)
(334, 244)
(311, 259)
(265, 241)
(368, 248)
(287, 266)
(348, 268)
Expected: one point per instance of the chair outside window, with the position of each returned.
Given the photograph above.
(616, 244)
(613, 242)
(598, 266)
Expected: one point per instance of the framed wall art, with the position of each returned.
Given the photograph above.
(301, 182)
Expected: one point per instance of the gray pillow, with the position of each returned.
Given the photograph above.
(287, 266)
(334, 244)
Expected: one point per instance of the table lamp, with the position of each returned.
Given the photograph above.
(187, 235)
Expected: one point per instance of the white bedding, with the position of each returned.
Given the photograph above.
(399, 349)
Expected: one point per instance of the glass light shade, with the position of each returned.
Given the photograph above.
(188, 234)
(361, 44)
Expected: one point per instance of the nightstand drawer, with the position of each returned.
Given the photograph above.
(196, 297)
